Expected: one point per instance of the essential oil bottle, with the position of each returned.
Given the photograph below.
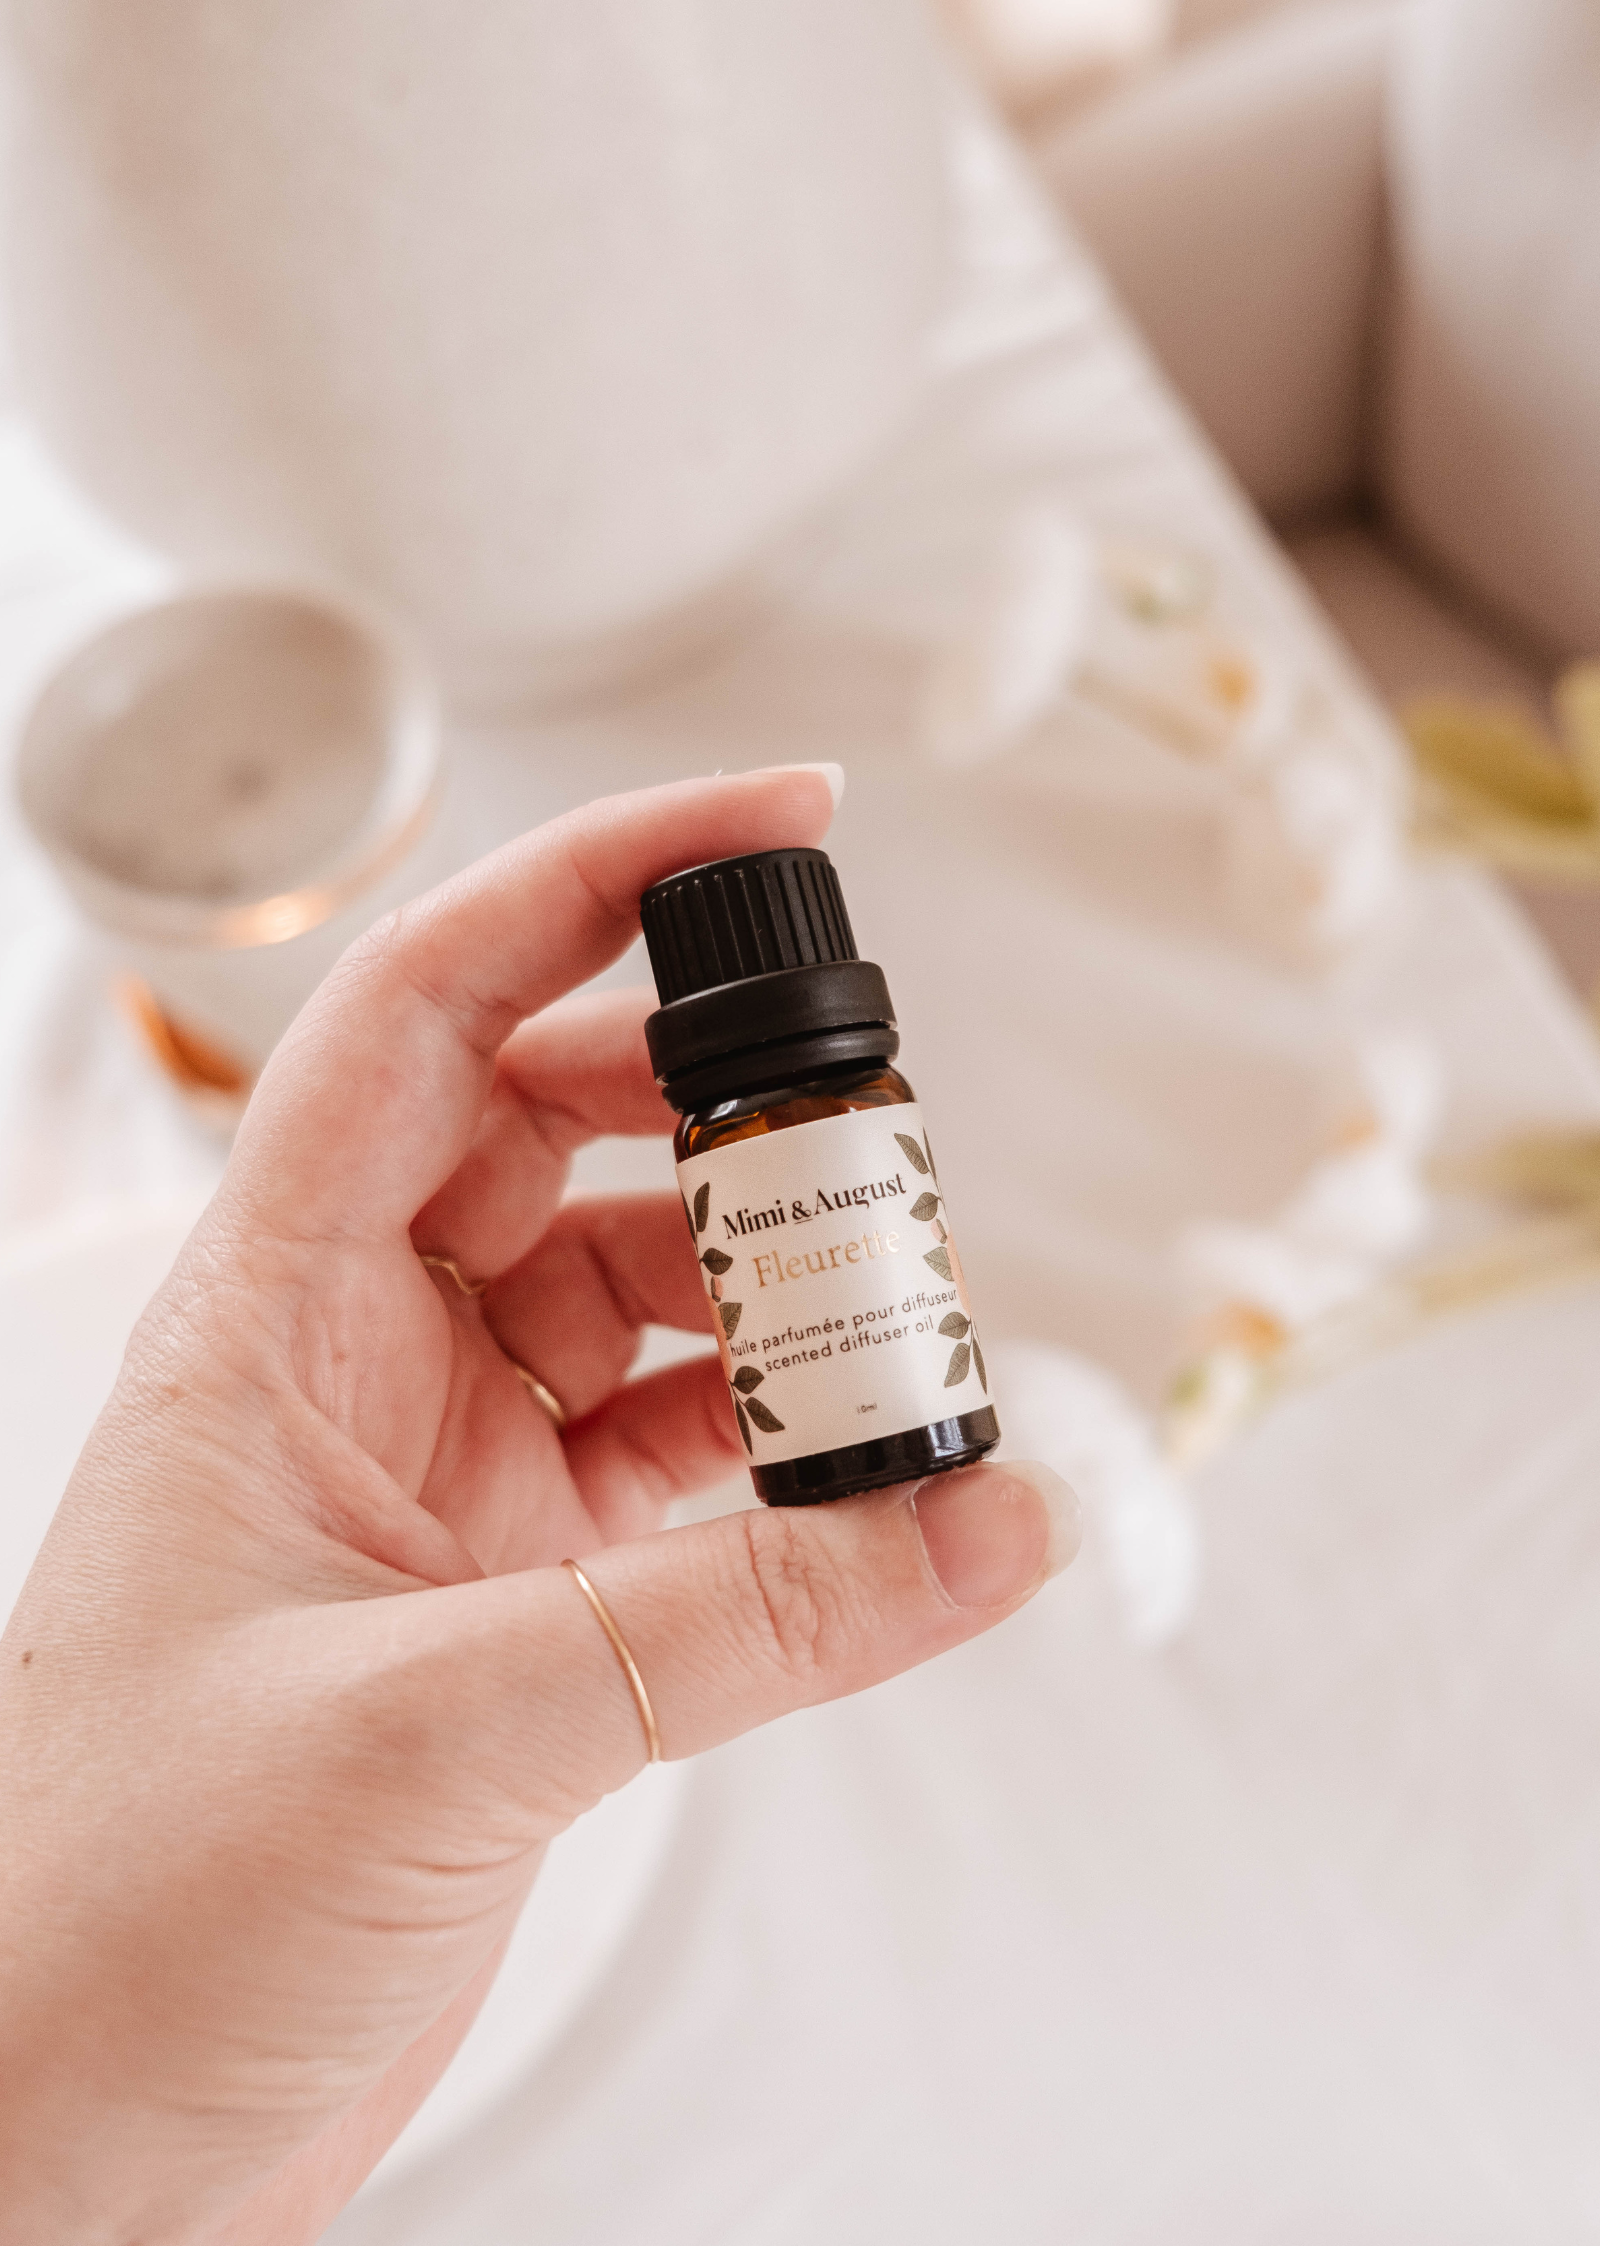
(809, 1185)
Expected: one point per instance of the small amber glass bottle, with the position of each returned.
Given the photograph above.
(809, 1185)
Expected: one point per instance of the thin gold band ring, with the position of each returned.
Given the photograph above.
(537, 1390)
(530, 1380)
(448, 1263)
(619, 1646)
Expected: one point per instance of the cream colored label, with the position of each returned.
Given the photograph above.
(842, 1310)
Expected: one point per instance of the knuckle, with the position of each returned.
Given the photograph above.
(798, 1604)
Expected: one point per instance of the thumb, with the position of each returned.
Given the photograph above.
(734, 1621)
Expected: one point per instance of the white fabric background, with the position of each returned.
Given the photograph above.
(1290, 1932)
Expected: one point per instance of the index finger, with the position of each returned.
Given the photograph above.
(373, 1097)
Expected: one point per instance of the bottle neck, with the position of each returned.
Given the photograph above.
(781, 1065)
(770, 1029)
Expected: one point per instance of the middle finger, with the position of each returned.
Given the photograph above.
(577, 1072)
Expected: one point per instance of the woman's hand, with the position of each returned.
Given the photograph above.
(298, 1691)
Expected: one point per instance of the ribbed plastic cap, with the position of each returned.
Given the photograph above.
(744, 916)
(757, 970)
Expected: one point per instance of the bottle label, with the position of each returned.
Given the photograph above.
(841, 1307)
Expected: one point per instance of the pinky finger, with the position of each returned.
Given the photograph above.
(665, 1436)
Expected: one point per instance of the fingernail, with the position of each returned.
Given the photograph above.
(832, 773)
(992, 1533)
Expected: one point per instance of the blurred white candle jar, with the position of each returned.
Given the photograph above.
(537, 320)
(232, 786)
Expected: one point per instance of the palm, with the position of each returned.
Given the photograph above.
(395, 1359)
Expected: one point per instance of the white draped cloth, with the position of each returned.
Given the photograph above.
(1290, 1930)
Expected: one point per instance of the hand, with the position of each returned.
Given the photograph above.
(298, 1692)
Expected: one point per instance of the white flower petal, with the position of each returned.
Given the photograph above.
(1316, 846)
(1403, 1080)
(1368, 1203)
(1259, 1266)
(998, 676)
(1220, 1393)
(1073, 1415)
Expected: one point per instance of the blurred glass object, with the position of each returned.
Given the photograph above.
(535, 322)
(232, 785)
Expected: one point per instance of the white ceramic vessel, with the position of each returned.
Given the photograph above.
(233, 785)
(535, 320)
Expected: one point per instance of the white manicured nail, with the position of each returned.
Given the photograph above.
(981, 1534)
(1060, 1501)
(832, 773)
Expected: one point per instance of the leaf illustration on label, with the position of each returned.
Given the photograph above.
(955, 1326)
(715, 1260)
(747, 1378)
(728, 1312)
(977, 1359)
(943, 1235)
(933, 1167)
(762, 1417)
(688, 1218)
(937, 1260)
(744, 1428)
(912, 1152)
(960, 1358)
(924, 1206)
(702, 1208)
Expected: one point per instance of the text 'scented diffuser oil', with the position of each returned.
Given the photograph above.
(809, 1185)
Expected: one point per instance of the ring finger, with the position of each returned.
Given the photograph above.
(577, 1072)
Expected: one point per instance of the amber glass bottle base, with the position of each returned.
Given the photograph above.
(875, 1466)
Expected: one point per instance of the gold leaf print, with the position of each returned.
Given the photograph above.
(912, 1152)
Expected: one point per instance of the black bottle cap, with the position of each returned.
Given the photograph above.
(759, 981)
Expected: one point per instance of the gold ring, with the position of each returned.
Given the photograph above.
(619, 1646)
(447, 1263)
(530, 1381)
(537, 1390)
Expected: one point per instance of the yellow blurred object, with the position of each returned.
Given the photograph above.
(1543, 1169)
(1577, 700)
(1497, 784)
(1500, 754)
